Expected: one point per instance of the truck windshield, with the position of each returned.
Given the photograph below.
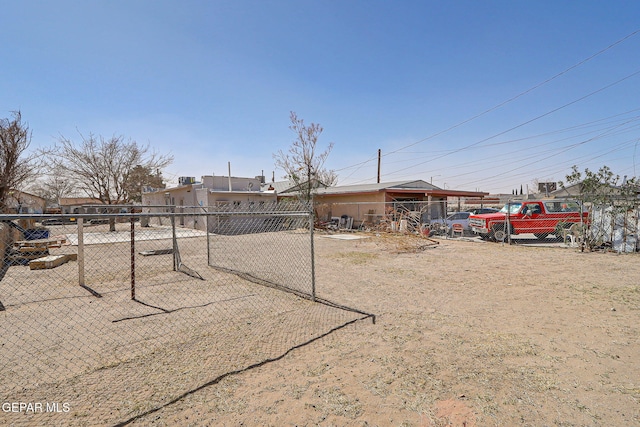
(511, 208)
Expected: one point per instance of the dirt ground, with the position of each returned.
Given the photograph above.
(465, 334)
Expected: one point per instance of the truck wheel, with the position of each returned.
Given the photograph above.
(499, 233)
(541, 236)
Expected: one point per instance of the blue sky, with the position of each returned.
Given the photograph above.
(212, 82)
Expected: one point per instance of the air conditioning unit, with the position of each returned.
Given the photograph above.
(186, 180)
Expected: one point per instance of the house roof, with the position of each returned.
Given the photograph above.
(176, 188)
(575, 190)
(286, 186)
(571, 190)
(236, 192)
(73, 201)
(410, 187)
(12, 193)
(373, 188)
(277, 186)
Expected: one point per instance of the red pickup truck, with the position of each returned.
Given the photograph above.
(540, 217)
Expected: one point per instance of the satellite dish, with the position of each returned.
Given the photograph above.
(250, 186)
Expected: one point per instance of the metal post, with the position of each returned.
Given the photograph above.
(508, 231)
(208, 241)
(80, 251)
(313, 264)
(133, 257)
(175, 242)
(583, 227)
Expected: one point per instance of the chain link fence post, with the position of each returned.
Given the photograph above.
(133, 255)
(313, 257)
(174, 238)
(80, 226)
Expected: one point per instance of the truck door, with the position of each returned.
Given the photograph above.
(532, 218)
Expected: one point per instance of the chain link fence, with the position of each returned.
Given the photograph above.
(107, 318)
(267, 244)
(407, 215)
(559, 222)
(552, 221)
(428, 218)
(612, 227)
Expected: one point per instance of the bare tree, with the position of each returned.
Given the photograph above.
(16, 167)
(303, 163)
(102, 167)
(53, 186)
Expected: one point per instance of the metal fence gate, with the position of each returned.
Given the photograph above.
(107, 318)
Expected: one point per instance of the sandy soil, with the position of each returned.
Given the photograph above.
(465, 334)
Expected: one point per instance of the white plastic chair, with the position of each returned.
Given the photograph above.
(457, 229)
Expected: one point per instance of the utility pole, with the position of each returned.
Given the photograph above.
(379, 159)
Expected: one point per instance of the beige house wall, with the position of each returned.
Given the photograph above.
(436, 206)
(221, 183)
(72, 205)
(27, 203)
(188, 199)
(183, 198)
(207, 197)
(361, 207)
(371, 207)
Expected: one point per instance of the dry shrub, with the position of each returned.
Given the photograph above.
(405, 242)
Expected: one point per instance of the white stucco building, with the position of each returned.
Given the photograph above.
(193, 197)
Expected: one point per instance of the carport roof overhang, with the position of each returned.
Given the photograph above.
(438, 192)
(408, 191)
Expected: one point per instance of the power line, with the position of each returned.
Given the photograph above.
(544, 134)
(582, 98)
(531, 89)
(574, 160)
(608, 132)
(565, 71)
(614, 128)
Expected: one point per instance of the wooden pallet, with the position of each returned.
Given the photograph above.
(51, 261)
(52, 242)
(25, 251)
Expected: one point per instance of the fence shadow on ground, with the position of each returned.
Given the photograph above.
(117, 335)
(239, 371)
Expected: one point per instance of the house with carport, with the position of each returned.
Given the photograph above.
(371, 203)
